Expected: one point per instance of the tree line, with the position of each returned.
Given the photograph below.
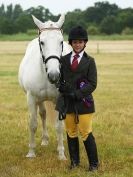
(102, 18)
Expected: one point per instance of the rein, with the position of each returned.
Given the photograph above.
(45, 60)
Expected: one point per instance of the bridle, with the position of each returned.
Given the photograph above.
(45, 60)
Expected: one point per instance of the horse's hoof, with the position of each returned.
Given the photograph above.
(44, 143)
(62, 157)
(31, 155)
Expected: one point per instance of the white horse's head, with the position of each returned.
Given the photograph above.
(51, 46)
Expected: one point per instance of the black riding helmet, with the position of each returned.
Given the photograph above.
(77, 33)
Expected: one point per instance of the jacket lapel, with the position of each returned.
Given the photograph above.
(82, 63)
(67, 60)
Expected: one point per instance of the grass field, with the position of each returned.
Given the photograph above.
(112, 125)
(28, 37)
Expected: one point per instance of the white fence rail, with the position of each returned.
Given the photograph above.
(19, 47)
(110, 46)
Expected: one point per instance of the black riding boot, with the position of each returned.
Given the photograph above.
(73, 147)
(91, 150)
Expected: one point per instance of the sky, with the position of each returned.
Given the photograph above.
(63, 6)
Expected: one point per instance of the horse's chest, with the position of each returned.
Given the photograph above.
(48, 94)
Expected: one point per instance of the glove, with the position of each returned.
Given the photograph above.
(67, 91)
(71, 95)
(62, 87)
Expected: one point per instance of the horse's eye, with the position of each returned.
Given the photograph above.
(42, 43)
(61, 42)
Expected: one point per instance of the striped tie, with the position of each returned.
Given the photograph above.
(74, 62)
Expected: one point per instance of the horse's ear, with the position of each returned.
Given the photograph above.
(38, 23)
(61, 21)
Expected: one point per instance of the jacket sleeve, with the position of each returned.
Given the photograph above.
(92, 81)
(61, 72)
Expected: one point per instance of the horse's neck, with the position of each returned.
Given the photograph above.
(33, 60)
(33, 52)
(66, 48)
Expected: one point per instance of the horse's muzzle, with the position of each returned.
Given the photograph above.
(53, 77)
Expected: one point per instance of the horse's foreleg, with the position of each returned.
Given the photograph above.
(60, 148)
(42, 112)
(32, 124)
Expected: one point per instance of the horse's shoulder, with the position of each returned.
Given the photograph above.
(66, 48)
(32, 45)
(33, 42)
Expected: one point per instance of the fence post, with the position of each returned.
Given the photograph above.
(98, 51)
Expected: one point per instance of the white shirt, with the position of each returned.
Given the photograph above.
(79, 58)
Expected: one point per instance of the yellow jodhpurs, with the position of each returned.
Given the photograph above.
(84, 125)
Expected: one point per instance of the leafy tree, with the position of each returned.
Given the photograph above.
(91, 15)
(103, 16)
(6, 26)
(40, 12)
(97, 13)
(126, 18)
(109, 25)
(127, 31)
(24, 22)
(17, 11)
(92, 29)
(9, 12)
(73, 19)
(2, 10)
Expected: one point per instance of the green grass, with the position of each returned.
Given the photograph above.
(17, 37)
(112, 124)
(111, 37)
(28, 37)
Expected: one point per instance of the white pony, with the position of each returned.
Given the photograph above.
(38, 73)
